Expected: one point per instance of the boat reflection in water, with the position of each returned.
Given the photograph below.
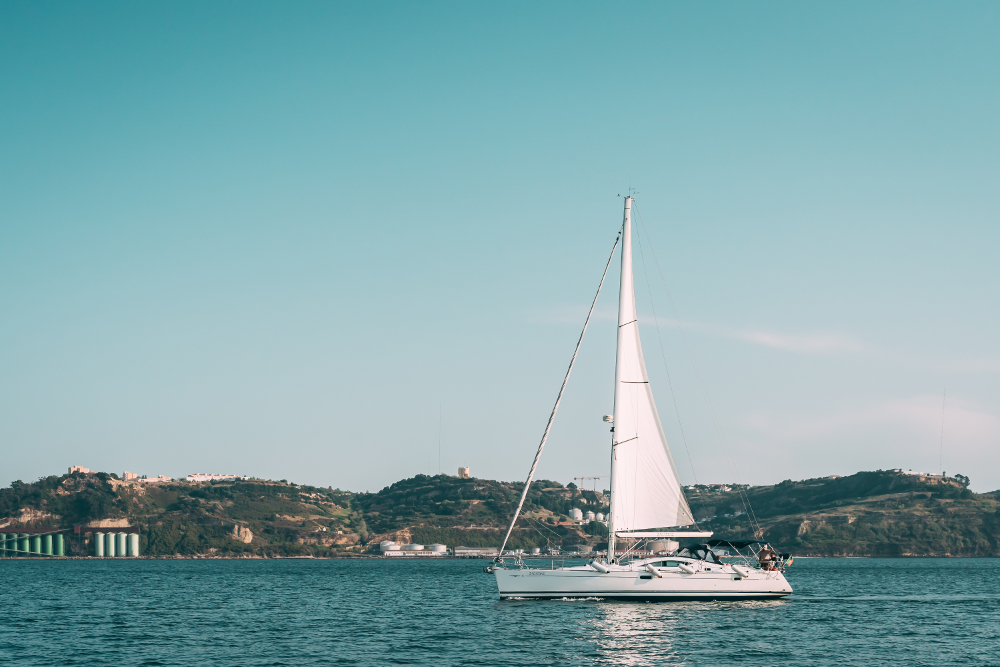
(667, 633)
(635, 634)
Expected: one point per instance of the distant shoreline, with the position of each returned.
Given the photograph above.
(422, 559)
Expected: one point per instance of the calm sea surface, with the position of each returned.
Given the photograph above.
(377, 612)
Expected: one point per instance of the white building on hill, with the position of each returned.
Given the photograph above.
(209, 477)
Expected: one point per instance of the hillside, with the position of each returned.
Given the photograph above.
(260, 518)
(268, 518)
(866, 514)
(878, 513)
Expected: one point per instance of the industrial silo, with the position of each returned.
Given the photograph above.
(576, 514)
(437, 548)
(36, 544)
(119, 544)
(133, 545)
(47, 544)
(22, 544)
(60, 546)
(109, 545)
(99, 545)
(3, 544)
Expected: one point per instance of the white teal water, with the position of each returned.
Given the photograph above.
(379, 612)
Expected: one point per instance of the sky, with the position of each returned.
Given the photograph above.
(346, 243)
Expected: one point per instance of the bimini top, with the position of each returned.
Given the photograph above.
(699, 552)
(736, 544)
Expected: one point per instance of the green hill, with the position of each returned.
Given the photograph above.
(880, 513)
(866, 514)
(259, 518)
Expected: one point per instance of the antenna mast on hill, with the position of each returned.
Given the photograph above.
(944, 396)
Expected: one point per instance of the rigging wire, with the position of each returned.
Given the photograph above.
(536, 521)
(744, 498)
(555, 408)
(663, 356)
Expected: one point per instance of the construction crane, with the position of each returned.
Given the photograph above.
(593, 478)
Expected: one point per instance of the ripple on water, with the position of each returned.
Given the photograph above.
(376, 612)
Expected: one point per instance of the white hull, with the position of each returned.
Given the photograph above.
(635, 583)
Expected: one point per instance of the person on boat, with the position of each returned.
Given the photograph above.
(767, 558)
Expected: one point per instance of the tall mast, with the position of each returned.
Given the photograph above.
(626, 315)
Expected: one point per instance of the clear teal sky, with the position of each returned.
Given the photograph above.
(275, 239)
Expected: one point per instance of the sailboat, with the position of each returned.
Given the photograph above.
(647, 501)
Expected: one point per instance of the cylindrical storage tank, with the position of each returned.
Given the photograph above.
(589, 516)
(388, 545)
(22, 544)
(413, 547)
(3, 544)
(109, 545)
(60, 545)
(99, 545)
(576, 514)
(119, 544)
(47, 545)
(133, 545)
(438, 548)
(36, 544)
(600, 516)
(535, 551)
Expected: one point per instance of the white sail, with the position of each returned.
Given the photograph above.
(645, 488)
